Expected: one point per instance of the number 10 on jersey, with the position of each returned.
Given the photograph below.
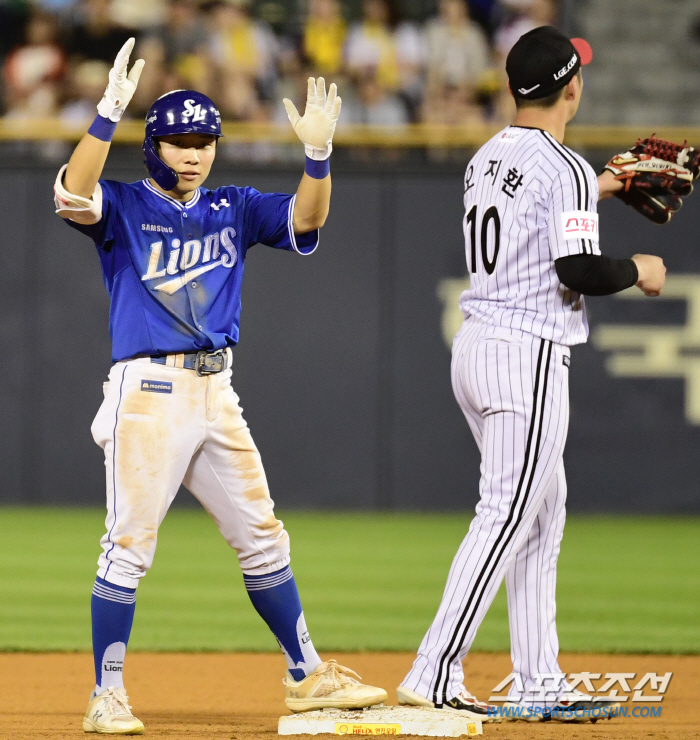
(470, 233)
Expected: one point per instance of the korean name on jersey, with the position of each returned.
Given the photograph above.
(529, 200)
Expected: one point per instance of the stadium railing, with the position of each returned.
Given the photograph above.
(410, 136)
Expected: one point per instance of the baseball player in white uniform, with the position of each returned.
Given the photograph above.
(532, 249)
(172, 256)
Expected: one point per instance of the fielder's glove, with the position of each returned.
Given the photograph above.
(121, 87)
(656, 175)
(317, 126)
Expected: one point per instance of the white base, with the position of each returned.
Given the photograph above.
(381, 720)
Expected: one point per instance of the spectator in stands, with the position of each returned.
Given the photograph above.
(370, 48)
(524, 15)
(324, 36)
(33, 72)
(154, 79)
(440, 72)
(458, 52)
(96, 35)
(392, 52)
(486, 13)
(86, 85)
(292, 83)
(411, 54)
(141, 15)
(453, 108)
(184, 39)
(379, 107)
(245, 52)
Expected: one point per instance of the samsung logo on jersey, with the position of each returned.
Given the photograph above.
(156, 227)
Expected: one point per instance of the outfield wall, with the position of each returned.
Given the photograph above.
(343, 365)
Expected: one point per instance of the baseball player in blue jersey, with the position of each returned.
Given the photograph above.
(172, 256)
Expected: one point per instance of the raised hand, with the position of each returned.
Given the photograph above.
(316, 127)
(121, 86)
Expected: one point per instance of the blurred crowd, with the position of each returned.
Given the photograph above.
(442, 64)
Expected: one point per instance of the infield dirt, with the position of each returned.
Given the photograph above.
(239, 696)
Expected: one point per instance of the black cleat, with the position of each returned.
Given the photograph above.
(572, 707)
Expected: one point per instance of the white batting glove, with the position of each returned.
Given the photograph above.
(317, 126)
(121, 87)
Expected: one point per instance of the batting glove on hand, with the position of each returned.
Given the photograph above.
(317, 126)
(121, 87)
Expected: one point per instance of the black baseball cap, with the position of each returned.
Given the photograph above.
(543, 61)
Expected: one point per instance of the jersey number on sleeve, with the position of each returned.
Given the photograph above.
(491, 214)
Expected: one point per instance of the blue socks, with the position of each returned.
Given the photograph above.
(274, 596)
(112, 616)
(276, 599)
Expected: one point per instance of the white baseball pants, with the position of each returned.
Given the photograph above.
(160, 426)
(513, 390)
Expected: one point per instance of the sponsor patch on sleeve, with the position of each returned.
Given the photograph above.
(509, 136)
(156, 386)
(580, 225)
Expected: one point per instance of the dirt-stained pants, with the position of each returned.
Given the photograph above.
(160, 426)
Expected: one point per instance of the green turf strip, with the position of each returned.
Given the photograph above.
(367, 582)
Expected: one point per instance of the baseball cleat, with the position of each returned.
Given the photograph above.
(110, 714)
(463, 702)
(573, 706)
(330, 686)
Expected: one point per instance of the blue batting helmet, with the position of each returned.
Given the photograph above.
(177, 112)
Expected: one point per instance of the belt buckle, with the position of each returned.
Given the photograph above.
(200, 362)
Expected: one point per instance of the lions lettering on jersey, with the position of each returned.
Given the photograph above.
(174, 270)
(528, 201)
(205, 252)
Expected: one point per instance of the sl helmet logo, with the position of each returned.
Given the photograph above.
(194, 112)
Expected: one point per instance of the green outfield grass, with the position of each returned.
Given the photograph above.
(367, 581)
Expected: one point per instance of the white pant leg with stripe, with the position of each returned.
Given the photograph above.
(531, 587)
(513, 390)
(160, 426)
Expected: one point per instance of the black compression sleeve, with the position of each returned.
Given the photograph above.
(596, 274)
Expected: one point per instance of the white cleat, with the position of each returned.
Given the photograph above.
(110, 714)
(330, 686)
(411, 699)
(464, 702)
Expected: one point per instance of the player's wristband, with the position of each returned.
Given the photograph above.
(318, 170)
(102, 128)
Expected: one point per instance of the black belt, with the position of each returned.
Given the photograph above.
(203, 363)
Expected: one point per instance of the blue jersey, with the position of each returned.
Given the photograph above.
(173, 270)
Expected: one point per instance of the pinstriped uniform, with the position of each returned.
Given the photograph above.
(523, 291)
(510, 377)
